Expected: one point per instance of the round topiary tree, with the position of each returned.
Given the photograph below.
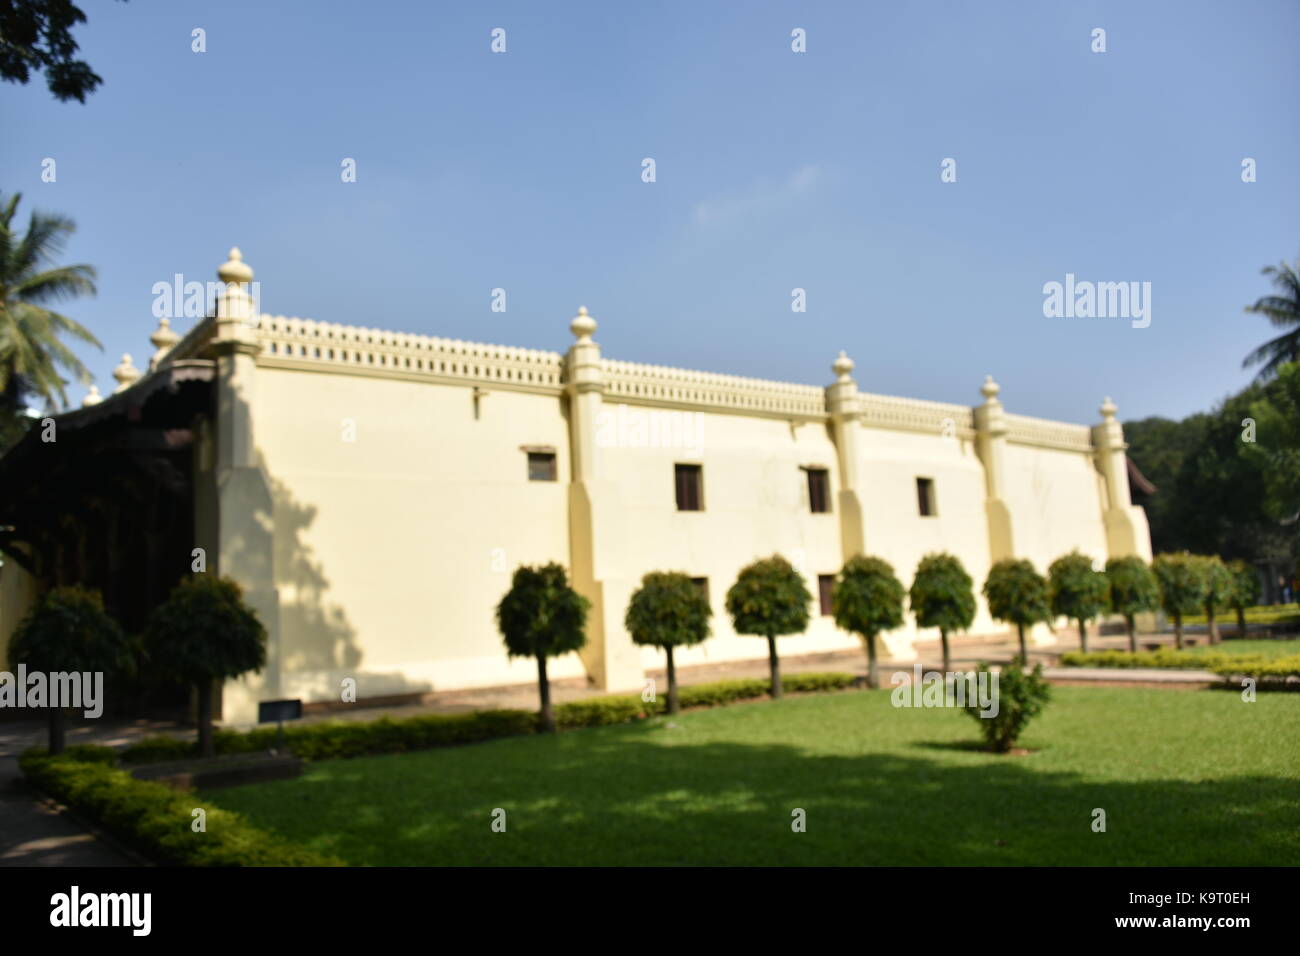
(867, 600)
(541, 616)
(204, 633)
(1075, 590)
(942, 596)
(1218, 592)
(1246, 590)
(68, 630)
(668, 610)
(1182, 588)
(1132, 590)
(769, 600)
(1017, 594)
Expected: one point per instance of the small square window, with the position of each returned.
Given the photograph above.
(825, 588)
(703, 585)
(541, 466)
(819, 490)
(690, 487)
(925, 497)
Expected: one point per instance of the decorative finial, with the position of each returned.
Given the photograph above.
(1108, 409)
(582, 325)
(235, 269)
(126, 374)
(163, 339)
(842, 367)
(92, 397)
(990, 389)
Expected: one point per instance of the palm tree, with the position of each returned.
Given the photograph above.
(31, 352)
(1284, 312)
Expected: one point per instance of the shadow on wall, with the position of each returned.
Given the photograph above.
(319, 645)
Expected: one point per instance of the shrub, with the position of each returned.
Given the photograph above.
(1163, 658)
(668, 610)
(769, 600)
(942, 596)
(1131, 590)
(1017, 594)
(1075, 590)
(1258, 667)
(541, 616)
(867, 600)
(157, 820)
(1021, 697)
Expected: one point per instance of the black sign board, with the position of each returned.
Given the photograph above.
(271, 711)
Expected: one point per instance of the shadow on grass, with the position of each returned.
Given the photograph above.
(619, 796)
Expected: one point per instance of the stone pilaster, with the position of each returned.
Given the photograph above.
(598, 556)
(991, 443)
(1127, 532)
(245, 515)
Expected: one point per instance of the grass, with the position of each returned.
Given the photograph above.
(1265, 648)
(1261, 614)
(1185, 778)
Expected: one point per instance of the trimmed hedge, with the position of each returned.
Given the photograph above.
(1163, 658)
(1260, 667)
(156, 819)
(331, 740)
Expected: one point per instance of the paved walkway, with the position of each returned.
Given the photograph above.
(33, 834)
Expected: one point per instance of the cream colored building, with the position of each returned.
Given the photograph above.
(373, 491)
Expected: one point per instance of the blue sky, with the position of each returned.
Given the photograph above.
(775, 171)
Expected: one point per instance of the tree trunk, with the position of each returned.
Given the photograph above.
(1132, 634)
(775, 664)
(1083, 635)
(873, 681)
(207, 747)
(1178, 630)
(1212, 626)
(57, 737)
(943, 639)
(544, 689)
(1241, 622)
(672, 681)
(1024, 651)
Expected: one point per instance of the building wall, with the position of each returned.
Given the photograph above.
(401, 504)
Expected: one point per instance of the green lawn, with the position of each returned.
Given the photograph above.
(1185, 778)
(1264, 648)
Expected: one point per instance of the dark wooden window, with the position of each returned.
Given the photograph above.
(819, 490)
(541, 466)
(690, 487)
(703, 585)
(825, 586)
(925, 497)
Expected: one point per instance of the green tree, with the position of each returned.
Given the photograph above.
(204, 633)
(668, 610)
(36, 37)
(1218, 591)
(1276, 448)
(1132, 590)
(1283, 311)
(31, 351)
(1245, 592)
(867, 600)
(769, 600)
(942, 596)
(1182, 588)
(1017, 594)
(1075, 590)
(68, 630)
(541, 616)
